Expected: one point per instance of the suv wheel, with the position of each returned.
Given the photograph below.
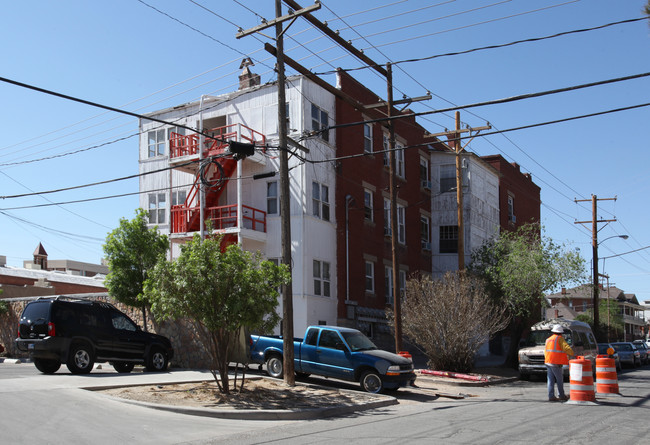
(80, 360)
(157, 361)
(47, 366)
(123, 367)
(371, 382)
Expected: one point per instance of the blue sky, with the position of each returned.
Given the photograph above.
(127, 55)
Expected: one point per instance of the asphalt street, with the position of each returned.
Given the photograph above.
(36, 408)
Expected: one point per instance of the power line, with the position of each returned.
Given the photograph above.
(503, 45)
(499, 101)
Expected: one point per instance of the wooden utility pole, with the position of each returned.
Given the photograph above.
(397, 307)
(285, 191)
(459, 196)
(594, 247)
(458, 150)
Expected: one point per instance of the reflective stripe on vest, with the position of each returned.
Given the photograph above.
(553, 354)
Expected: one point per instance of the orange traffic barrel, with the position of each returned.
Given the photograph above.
(606, 378)
(581, 379)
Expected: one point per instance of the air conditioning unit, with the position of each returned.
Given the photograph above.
(426, 245)
(513, 219)
(426, 184)
(386, 231)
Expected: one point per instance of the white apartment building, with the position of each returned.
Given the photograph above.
(245, 209)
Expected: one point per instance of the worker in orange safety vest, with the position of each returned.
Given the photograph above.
(556, 354)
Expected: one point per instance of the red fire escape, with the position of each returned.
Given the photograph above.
(212, 170)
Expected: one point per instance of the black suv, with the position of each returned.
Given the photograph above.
(81, 332)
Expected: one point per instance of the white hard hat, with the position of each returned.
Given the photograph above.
(557, 329)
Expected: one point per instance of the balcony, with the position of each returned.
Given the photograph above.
(224, 218)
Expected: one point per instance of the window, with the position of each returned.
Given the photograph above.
(387, 231)
(401, 224)
(386, 148)
(330, 339)
(425, 236)
(367, 138)
(321, 278)
(272, 198)
(399, 161)
(448, 239)
(511, 209)
(367, 205)
(319, 121)
(447, 177)
(156, 142)
(320, 201)
(370, 277)
(157, 208)
(389, 284)
(424, 173)
(399, 156)
(179, 197)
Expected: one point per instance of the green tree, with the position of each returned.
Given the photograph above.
(449, 319)
(520, 268)
(132, 250)
(646, 9)
(610, 319)
(222, 293)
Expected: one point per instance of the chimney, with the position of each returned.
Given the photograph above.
(247, 78)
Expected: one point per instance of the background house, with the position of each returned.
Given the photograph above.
(43, 277)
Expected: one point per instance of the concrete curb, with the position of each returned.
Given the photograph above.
(458, 382)
(11, 361)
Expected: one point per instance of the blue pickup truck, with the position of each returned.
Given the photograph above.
(336, 352)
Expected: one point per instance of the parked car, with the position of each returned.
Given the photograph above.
(628, 354)
(602, 350)
(643, 351)
(576, 333)
(337, 352)
(80, 332)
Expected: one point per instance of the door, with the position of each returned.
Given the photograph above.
(332, 357)
(129, 341)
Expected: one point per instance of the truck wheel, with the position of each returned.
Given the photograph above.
(47, 366)
(274, 366)
(371, 382)
(80, 359)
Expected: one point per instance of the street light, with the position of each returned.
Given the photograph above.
(595, 280)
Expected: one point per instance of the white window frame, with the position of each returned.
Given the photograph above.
(447, 182)
(425, 232)
(320, 120)
(322, 279)
(387, 225)
(368, 205)
(367, 138)
(156, 142)
(320, 201)
(399, 161)
(425, 179)
(179, 197)
(156, 211)
(388, 284)
(272, 200)
(401, 224)
(370, 277)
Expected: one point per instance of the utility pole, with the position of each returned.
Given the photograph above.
(397, 307)
(285, 197)
(459, 197)
(458, 150)
(594, 247)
